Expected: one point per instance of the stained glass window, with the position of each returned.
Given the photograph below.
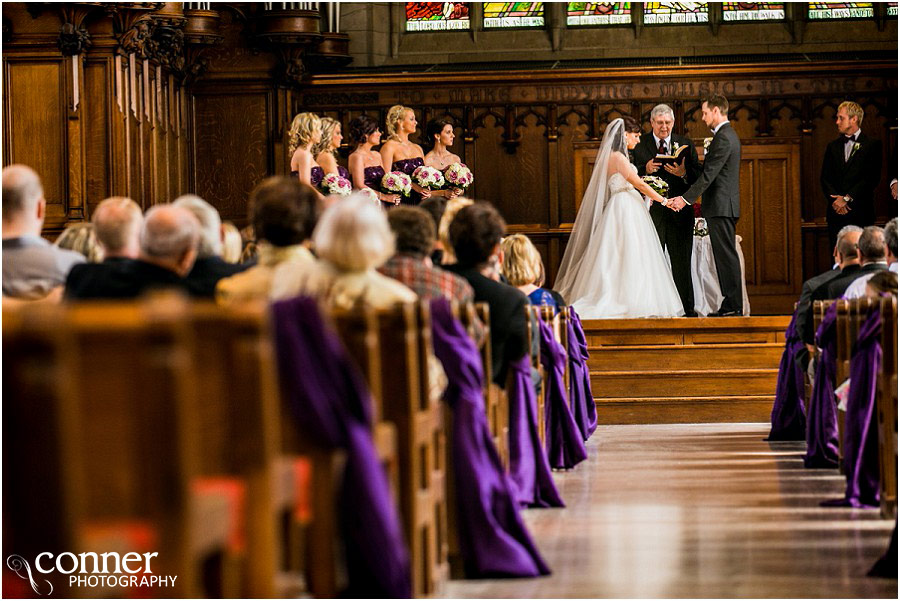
(659, 13)
(892, 9)
(753, 11)
(598, 13)
(841, 10)
(513, 14)
(437, 16)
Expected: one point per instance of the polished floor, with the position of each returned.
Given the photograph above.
(688, 510)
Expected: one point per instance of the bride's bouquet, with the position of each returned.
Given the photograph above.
(334, 184)
(428, 177)
(397, 182)
(658, 184)
(370, 194)
(459, 176)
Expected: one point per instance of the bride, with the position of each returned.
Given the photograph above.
(614, 266)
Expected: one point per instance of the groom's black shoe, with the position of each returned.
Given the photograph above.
(726, 314)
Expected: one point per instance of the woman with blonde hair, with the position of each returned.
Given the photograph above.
(306, 131)
(82, 238)
(454, 205)
(398, 153)
(524, 269)
(325, 151)
(232, 245)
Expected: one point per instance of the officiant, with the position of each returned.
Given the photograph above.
(652, 156)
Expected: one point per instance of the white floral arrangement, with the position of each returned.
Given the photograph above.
(397, 182)
(700, 227)
(334, 184)
(659, 185)
(459, 175)
(706, 143)
(370, 194)
(428, 177)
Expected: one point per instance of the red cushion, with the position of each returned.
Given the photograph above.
(235, 494)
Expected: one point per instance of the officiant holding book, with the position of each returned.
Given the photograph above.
(674, 159)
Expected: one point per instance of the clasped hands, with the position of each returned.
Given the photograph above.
(676, 204)
(840, 206)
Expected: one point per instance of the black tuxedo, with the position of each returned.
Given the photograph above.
(720, 185)
(509, 334)
(206, 273)
(804, 321)
(857, 178)
(675, 229)
(118, 279)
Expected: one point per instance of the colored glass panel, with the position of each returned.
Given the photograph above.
(598, 13)
(437, 16)
(840, 10)
(753, 11)
(513, 14)
(664, 13)
(892, 9)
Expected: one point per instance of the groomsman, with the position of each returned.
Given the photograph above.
(851, 170)
(675, 228)
(719, 183)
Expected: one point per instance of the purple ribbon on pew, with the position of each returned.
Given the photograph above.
(493, 539)
(788, 412)
(565, 443)
(330, 401)
(582, 399)
(822, 430)
(861, 423)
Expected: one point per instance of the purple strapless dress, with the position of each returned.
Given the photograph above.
(407, 166)
(345, 173)
(316, 175)
(372, 177)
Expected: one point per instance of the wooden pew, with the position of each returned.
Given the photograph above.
(533, 315)
(497, 405)
(887, 408)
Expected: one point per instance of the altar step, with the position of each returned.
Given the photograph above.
(685, 370)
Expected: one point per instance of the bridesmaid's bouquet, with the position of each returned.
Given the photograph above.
(370, 194)
(659, 185)
(459, 176)
(334, 184)
(428, 177)
(396, 182)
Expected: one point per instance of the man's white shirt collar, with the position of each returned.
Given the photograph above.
(719, 126)
(667, 139)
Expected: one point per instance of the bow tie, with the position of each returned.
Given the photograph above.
(849, 139)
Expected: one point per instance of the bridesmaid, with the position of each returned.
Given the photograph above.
(326, 150)
(398, 153)
(439, 133)
(305, 132)
(365, 163)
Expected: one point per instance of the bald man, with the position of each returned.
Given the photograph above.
(32, 267)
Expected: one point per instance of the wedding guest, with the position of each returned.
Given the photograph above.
(411, 265)
(475, 235)
(32, 267)
(890, 244)
(675, 228)
(883, 282)
(435, 207)
(439, 136)
(81, 238)
(232, 245)
(365, 163)
(453, 206)
(851, 170)
(325, 151)
(352, 239)
(283, 213)
(871, 260)
(398, 153)
(523, 268)
(306, 131)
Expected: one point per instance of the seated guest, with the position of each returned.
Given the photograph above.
(32, 267)
(871, 259)
(435, 206)
(352, 239)
(169, 239)
(283, 213)
(117, 222)
(890, 244)
(451, 208)
(882, 283)
(411, 265)
(81, 238)
(523, 267)
(475, 235)
(209, 267)
(232, 245)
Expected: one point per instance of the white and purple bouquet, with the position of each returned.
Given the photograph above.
(428, 177)
(659, 185)
(334, 184)
(370, 194)
(459, 176)
(397, 182)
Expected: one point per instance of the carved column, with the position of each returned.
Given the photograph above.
(289, 33)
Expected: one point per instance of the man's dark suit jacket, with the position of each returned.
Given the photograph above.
(119, 279)
(838, 286)
(509, 334)
(824, 291)
(858, 177)
(206, 273)
(719, 182)
(647, 149)
(804, 322)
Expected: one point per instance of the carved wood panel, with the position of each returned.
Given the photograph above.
(97, 133)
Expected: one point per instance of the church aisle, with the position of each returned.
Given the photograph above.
(690, 510)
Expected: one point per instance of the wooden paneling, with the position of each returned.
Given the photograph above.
(97, 131)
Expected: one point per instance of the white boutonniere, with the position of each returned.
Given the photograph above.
(675, 146)
(706, 143)
(854, 149)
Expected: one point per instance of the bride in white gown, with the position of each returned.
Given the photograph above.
(614, 265)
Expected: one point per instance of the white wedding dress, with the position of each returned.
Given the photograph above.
(615, 267)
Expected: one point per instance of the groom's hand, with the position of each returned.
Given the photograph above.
(677, 203)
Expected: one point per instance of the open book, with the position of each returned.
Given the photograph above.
(675, 157)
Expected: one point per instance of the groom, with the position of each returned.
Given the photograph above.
(675, 229)
(719, 183)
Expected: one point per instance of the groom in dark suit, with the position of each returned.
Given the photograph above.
(675, 228)
(719, 183)
(851, 171)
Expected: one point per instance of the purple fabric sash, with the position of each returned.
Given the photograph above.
(861, 424)
(330, 402)
(788, 412)
(565, 443)
(580, 395)
(822, 430)
(493, 539)
(528, 465)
